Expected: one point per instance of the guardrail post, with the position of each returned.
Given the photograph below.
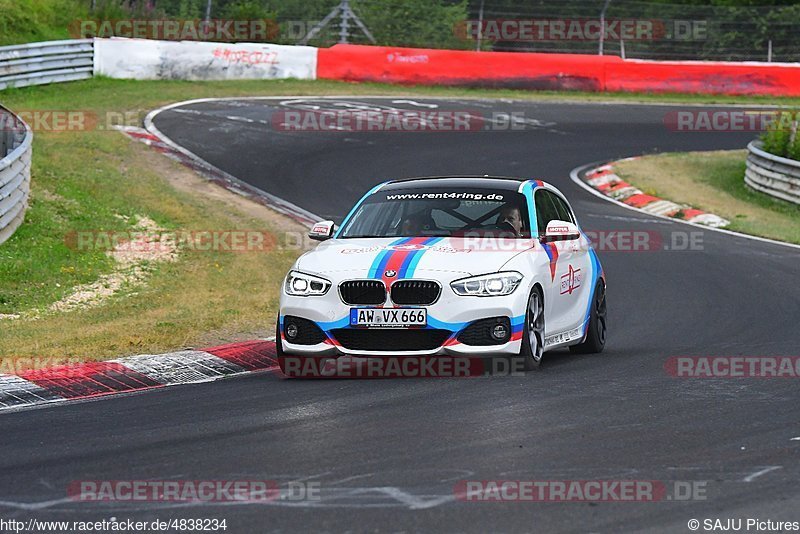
(3, 137)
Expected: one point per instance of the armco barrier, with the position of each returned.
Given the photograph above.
(554, 71)
(48, 62)
(145, 59)
(773, 175)
(15, 172)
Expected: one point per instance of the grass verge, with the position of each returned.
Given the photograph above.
(99, 180)
(714, 182)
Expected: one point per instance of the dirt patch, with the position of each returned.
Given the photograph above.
(134, 262)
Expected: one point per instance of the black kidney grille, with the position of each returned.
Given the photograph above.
(419, 292)
(363, 292)
(390, 339)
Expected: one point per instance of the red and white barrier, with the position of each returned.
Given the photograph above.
(192, 60)
(554, 71)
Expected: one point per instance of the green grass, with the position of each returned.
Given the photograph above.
(27, 21)
(714, 182)
(106, 93)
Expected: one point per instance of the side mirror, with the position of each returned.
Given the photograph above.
(322, 230)
(560, 231)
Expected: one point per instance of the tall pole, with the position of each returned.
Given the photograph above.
(603, 27)
(480, 28)
(345, 27)
(208, 11)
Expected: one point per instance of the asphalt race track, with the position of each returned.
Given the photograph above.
(388, 453)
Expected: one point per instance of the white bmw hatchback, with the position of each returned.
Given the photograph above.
(467, 266)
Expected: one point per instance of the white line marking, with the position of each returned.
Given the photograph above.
(34, 505)
(412, 501)
(359, 497)
(750, 478)
(626, 219)
(485, 99)
(415, 103)
(239, 119)
(277, 202)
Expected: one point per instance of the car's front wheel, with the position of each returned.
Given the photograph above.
(530, 355)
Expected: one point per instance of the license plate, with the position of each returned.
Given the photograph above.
(388, 317)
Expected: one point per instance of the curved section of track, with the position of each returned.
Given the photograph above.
(388, 453)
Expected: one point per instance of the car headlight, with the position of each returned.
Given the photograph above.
(487, 285)
(302, 284)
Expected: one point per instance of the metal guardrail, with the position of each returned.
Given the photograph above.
(15, 172)
(771, 174)
(47, 62)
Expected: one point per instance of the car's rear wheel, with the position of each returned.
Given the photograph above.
(598, 327)
(530, 355)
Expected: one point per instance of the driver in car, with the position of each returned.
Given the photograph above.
(510, 218)
(417, 224)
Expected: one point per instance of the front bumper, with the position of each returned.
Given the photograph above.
(450, 314)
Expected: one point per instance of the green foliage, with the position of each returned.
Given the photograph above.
(25, 21)
(128, 9)
(728, 29)
(419, 23)
(793, 151)
(245, 10)
(782, 137)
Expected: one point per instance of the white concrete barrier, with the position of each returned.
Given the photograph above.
(144, 59)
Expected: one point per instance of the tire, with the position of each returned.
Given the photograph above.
(595, 339)
(279, 354)
(532, 349)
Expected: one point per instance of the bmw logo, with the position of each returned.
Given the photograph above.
(390, 274)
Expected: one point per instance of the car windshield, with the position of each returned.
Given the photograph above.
(440, 212)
